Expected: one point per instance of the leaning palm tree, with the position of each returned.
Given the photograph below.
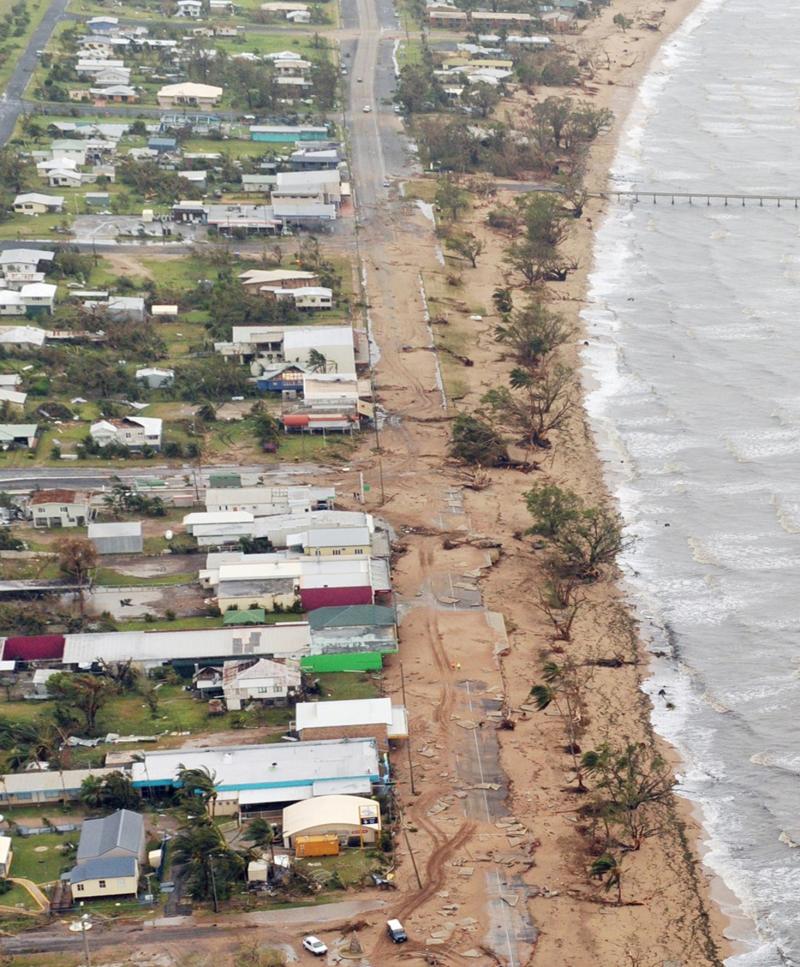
(200, 782)
(317, 361)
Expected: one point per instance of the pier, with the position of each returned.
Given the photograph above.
(700, 197)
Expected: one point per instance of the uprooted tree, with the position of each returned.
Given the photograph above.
(477, 442)
(533, 405)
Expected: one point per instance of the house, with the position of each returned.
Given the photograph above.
(282, 378)
(134, 432)
(38, 298)
(375, 718)
(45, 787)
(110, 854)
(333, 541)
(69, 150)
(256, 279)
(155, 378)
(114, 94)
(256, 777)
(102, 25)
(308, 159)
(162, 145)
(6, 856)
(448, 18)
(25, 260)
(18, 335)
(120, 308)
(194, 95)
(325, 184)
(190, 8)
(12, 397)
(310, 297)
(34, 203)
(356, 821)
(353, 629)
(259, 680)
(124, 537)
(194, 177)
(265, 501)
(18, 436)
(64, 178)
(258, 184)
(60, 508)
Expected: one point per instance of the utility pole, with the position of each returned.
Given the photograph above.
(85, 924)
(213, 882)
(408, 740)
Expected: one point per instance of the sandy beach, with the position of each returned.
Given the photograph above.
(669, 913)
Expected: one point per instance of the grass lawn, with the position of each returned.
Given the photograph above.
(33, 226)
(341, 686)
(106, 577)
(353, 866)
(17, 896)
(409, 52)
(44, 866)
(423, 189)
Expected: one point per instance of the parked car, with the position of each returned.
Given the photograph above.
(396, 931)
(315, 946)
(366, 109)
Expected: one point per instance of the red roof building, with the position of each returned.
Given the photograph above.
(34, 648)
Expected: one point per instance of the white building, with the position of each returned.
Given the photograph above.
(34, 203)
(60, 508)
(135, 432)
(265, 501)
(353, 819)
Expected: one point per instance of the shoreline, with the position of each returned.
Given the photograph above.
(736, 928)
(618, 88)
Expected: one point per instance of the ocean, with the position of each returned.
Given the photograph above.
(693, 390)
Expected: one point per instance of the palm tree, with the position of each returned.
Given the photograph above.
(608, 869)
(91, 794)
(211, 867)
(317, 361)
(261, 834)
(200, 782)
(562, 689)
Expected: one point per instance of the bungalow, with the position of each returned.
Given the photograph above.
(259, 680)
(198, 178)
(102, 25)
(190, 8)
(12, 397)
(33, 203)
(64, 178)
(110, 853)
(260, 279)
(114, 94)
(134, 432)
(25, 260)
(258, 184)
(19, 335)
(310, 297)
(307, 159)
(22, 435)
(60, 508)
(448, 18)
(120, 308)
(162, 145)
(195, 95)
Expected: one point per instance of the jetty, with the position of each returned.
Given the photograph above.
(698, 197)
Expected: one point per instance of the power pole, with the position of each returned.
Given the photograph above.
(408, 739)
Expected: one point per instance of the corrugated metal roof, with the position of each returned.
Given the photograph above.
(334, 810)
(33, 648)
(122, 830)
(265, 766)
(122, 529)
(352, 616)
(255, 616)
(103, 868)
(328, 715)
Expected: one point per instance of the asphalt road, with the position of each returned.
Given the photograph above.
(11, 103)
